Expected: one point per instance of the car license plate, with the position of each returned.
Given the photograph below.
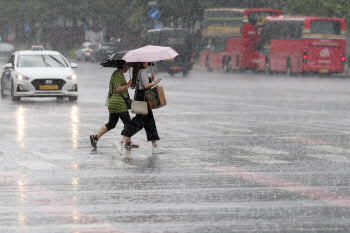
(323, 71)
(175, 68)
(48, 87)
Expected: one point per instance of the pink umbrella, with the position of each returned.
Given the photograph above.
(150, 53)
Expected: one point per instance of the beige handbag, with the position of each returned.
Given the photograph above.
(139, 107)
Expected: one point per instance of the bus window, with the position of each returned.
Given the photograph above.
(325, 27)
(259, 17)
(292, 30)
(217, 45)
(271, 30)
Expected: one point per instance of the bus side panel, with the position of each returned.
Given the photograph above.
(214, 59)
(202, 57)
(281, 51)
(261, 62)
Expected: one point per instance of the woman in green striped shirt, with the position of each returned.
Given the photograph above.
(118, 88)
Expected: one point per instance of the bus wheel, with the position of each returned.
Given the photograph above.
(289, 68)
(207, 64)
(228, 65)
(267, 67)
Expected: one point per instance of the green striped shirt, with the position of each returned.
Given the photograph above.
(116, 103)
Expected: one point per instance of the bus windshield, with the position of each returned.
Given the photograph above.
(222, 17)
(325, 27)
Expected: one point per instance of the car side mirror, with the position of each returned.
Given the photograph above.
(73, 65)
(9, 65)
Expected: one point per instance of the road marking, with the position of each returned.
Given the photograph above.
(331, 157)
(307, 140)
(283, 184)
(261, 159)
(261, 150)
(37, 165)
(330, 149)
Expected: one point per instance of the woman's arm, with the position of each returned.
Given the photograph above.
(124, 87)
(150, 85)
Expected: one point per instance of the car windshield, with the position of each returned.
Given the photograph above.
(41, 60)
(108, 46)
(176, 37)
(92, 46)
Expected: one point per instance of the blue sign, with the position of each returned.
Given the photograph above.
(154, 14)
(26, 28)
(85, 28)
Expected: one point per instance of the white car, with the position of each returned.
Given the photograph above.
(39, 74)
(84, 52)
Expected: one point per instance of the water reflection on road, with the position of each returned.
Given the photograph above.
(20, 125)
(74, 125)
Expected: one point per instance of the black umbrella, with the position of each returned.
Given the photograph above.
(114, 60)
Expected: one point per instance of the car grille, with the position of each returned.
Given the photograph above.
(59, 82)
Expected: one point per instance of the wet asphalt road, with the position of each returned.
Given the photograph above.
(246, 153)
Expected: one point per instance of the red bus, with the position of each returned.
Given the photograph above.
(295, 44)
(229, 37)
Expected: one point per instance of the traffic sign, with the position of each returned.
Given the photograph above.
(26, 28)
(154, 14)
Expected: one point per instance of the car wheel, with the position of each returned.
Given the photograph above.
(72, 98)
(13, 97)
(2, 91)
(185, 73)
(171, 72)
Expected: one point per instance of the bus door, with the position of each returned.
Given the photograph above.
(251, 33)
(249, 39)
(216, 47)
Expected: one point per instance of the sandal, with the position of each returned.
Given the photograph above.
(128, 145)
(93, 140)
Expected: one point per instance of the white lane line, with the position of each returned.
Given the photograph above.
(330, 149)
(260, 150)
(37, 165)
(331, 158)
(261, 159)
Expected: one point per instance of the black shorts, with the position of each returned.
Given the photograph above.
(114, 117)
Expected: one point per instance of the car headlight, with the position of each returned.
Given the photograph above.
(22, 77)
(72, 77)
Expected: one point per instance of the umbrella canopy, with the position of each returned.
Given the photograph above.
(150, 53)
(114, 59)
